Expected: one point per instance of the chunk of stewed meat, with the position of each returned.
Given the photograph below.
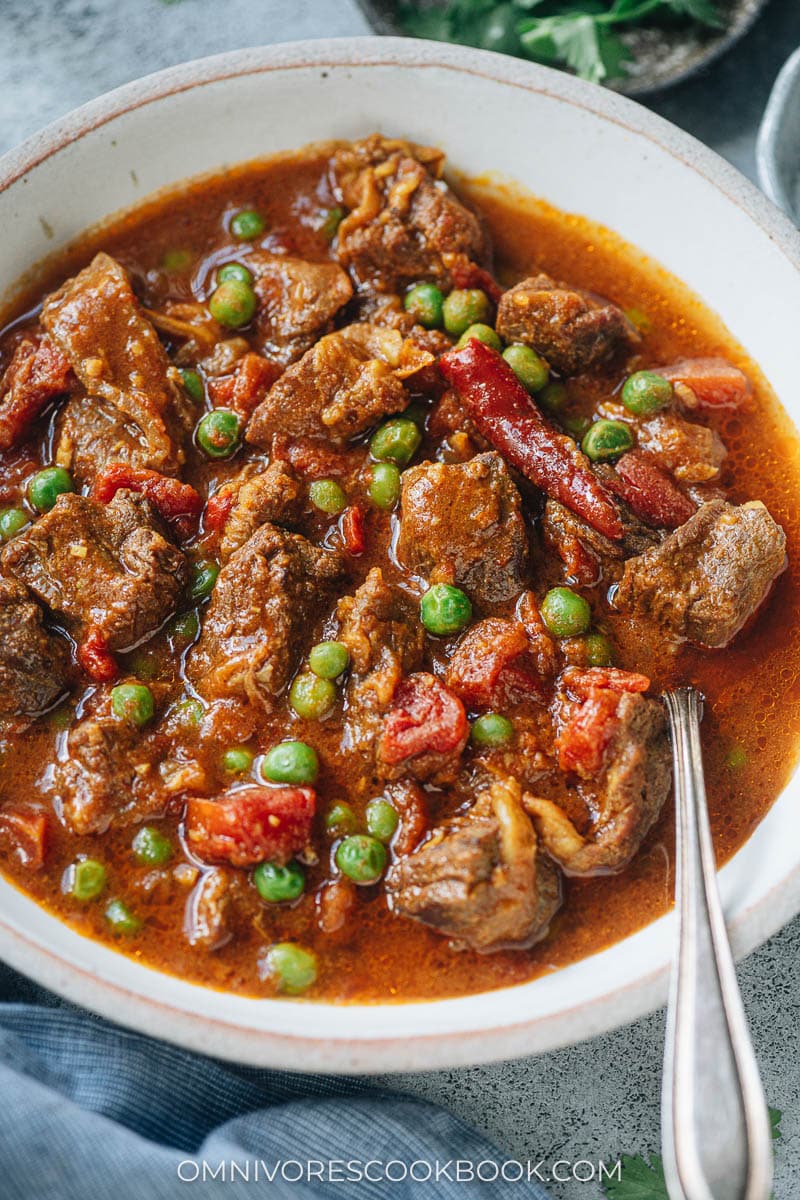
(272, 496)
(691, 452)
(297, 301)
(344, 384)
(34, 664)
(615, 738)
(424, 732)
(588, 556)
(107, 568)
(385, 640)
(462, 523)
(574, 330)
(403, 220)
(136, 412)
(705, 581)
(251, 825)
(24, 833)
(37, 374)
(480, 879)
(108, 774)
(208, 910)
(258, 619)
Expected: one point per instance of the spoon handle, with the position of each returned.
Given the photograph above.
(716, 1133)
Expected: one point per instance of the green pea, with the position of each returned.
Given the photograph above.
(645, 392)
(445, 609)
(89, 878)
(176, 260)
(425, 303)
(290, 762)
(204, 576)
(60, 718)
(12, 520)
(575, 424)
(396, 441)
(737, 757)
(121, 919)
(565, 613)
(382, 820)
(151, 848)
(606, 439)
(341, 819)
(333, 219)
(529, 368)
(292, 969)
(234, 270)
(133, 702)
(193, 384)
(329, 659)
(146, 663)
(328, 496)
(361, 858)
(238, 760)
(247, 225)
(183, 628)
(189, 712)
(312, 698)
(491, 730)
(218, 433)
(553, 399)
(276, 884)
(599, 651)
(465, 307)
(233, 303)
(482, 333)
(384, 485)
(47, 485)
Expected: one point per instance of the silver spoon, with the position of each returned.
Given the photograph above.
(716, 1135)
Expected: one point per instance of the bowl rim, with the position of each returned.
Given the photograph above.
(425, 1050)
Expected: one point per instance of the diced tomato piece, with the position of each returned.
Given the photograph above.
(37, 373)
(650, 492)
(583, 681)
(425, 716)
(313, 459)
(244, 390)
(25, 829)
(178, 503)
(493, 666)
(351, 526)
(218, 509)
(467, 274)
(251, 825)
(713, 381)
(96, 659)
(586, 732)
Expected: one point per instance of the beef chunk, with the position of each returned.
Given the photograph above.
(347, 382)
(404, 225)
(297, 302)
(109, 774)
(107, 568)
(272, 496)
(616, 739)
(589, 556)
(462, 523)
(479, 879)
(207, 919)
(707, 578)
(574, 330)
(692, 453)
(262, 604)
(424, 732)
(34, 664)
(134, 410)
(385, 640)
(37, 373)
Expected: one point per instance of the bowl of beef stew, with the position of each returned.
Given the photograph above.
(364, 483)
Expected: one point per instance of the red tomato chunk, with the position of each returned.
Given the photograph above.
(251, 825)
(425, 716)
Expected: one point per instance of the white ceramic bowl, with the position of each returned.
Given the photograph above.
(584, 150)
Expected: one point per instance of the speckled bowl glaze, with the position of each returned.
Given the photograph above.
(595, 153)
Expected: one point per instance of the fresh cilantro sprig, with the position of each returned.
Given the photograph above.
(583, 35)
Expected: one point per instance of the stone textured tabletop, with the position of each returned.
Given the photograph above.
(601, 1098)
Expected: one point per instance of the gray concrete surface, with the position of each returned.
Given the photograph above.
(599, 1099)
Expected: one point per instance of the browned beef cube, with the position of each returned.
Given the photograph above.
(462, 523)
(479, 879)
(274, 496)
(574, 330)
(404, 223)
(707, 578)
(258, 620)
(34, 664)
(103, 567)
(135, 411)
(297, 302)
(346, 383)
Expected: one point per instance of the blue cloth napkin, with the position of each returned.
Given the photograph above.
(93, 1110)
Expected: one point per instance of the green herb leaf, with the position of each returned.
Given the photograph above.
(592, 50)
(428, 23)
(638, 1180)
(705, 11)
